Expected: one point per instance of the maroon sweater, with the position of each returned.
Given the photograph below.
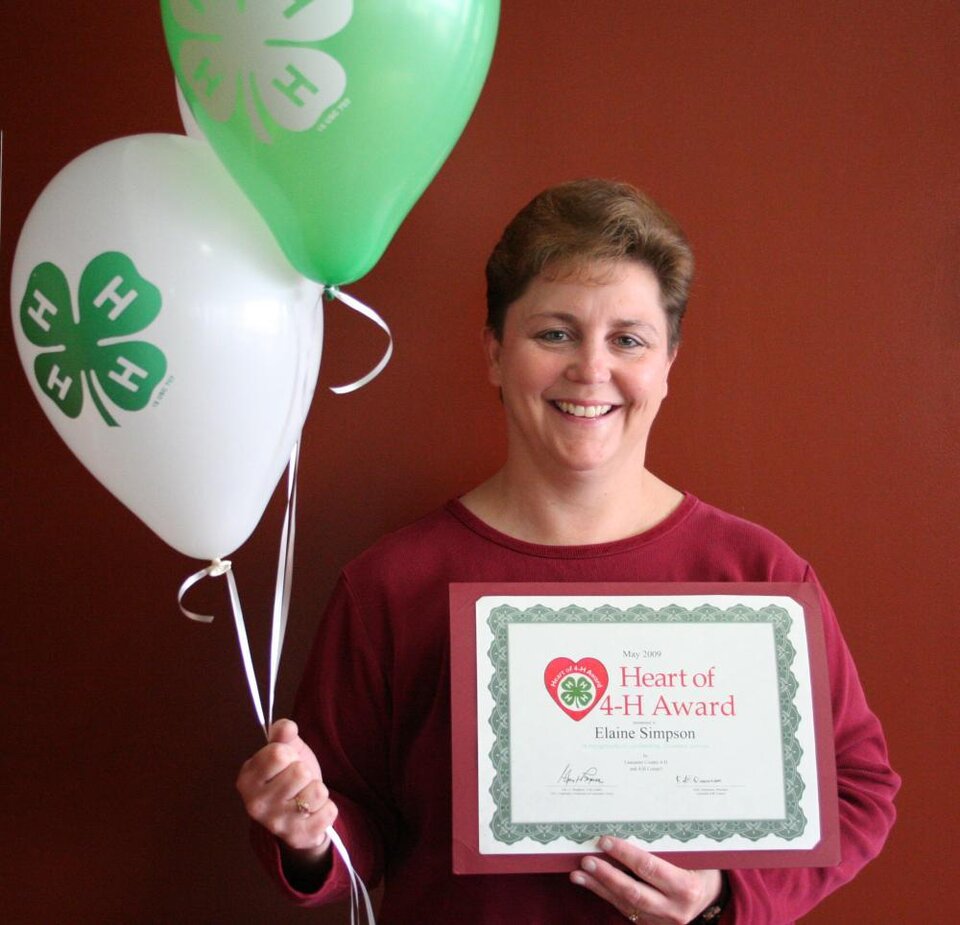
(374, 704)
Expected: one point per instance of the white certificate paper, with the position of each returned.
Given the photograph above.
(685, 721)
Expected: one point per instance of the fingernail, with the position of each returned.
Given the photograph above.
(578, 878)
(589, 864)
(605, 844)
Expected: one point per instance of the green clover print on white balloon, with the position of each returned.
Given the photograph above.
(265, 48)
(94, 348)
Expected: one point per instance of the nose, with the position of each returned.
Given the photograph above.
(590, 364)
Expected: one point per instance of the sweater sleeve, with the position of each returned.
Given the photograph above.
(866, 788)
(343, 709)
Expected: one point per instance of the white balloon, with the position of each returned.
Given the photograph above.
(225, 388)
(190, 126)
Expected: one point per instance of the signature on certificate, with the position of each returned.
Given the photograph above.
(588, 776)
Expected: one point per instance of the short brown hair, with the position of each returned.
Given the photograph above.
(584, 221)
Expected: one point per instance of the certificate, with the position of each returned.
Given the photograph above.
(693, 719)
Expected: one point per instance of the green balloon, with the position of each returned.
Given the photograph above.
(331, 115)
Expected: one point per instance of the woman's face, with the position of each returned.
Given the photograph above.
(583, 365)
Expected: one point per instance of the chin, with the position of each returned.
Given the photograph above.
(583, 464)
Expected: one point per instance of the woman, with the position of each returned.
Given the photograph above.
(586, 292)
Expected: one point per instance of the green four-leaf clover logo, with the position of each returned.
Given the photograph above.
(114, 302)
(576, 691)
(264, 48)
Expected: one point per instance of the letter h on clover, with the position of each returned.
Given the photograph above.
(114, 302)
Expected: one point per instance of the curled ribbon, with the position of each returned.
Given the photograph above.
(333, 292)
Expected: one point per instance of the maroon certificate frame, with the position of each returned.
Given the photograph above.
(546, 610)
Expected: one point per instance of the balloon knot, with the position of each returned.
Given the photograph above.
(331, 292)
(218, 567)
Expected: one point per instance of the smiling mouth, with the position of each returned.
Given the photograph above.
(582, 411)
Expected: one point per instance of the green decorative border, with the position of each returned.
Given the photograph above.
(508, 832)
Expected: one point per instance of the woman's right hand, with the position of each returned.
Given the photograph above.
(282, 789)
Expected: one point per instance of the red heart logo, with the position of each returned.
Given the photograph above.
(576, 687)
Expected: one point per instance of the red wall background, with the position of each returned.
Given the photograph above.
(809, 149)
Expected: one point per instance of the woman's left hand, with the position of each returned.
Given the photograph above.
(651, 890)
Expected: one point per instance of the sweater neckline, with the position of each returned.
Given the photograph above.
(473, 523)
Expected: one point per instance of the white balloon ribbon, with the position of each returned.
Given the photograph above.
(333, 292)
(357, 889)
(281, 593)
(215, 568)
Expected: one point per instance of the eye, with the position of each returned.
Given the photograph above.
(553, 336)
(629, 342)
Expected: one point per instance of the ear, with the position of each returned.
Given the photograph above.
(666, 373)
(492, 348)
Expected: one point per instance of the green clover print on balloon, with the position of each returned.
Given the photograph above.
(576, 692)
(114, 302)
(266, 49)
